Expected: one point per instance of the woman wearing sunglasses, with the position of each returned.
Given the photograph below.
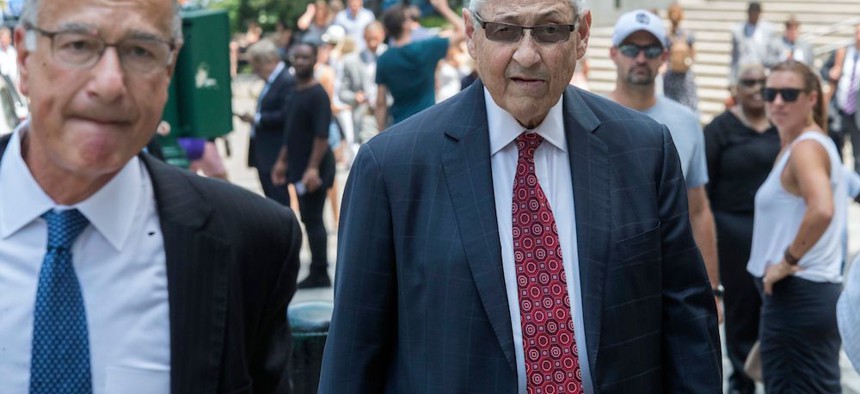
(741, 145)
(797, 247)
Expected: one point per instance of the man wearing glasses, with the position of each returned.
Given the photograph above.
(639, 48)
(120, 273)
(521, 237)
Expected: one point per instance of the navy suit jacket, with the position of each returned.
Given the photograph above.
(269, 131)
(232, 260)
(420, 301)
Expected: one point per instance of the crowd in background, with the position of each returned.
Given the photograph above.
(741, 148)
(377, 70)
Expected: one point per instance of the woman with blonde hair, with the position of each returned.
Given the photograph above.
(797, 248)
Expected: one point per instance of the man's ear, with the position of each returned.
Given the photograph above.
(25, 44)
(470, 33)
(172, 68)
(584, 33)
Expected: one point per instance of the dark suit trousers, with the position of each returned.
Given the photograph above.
(311, 209)
(277, 193)
(850, 130)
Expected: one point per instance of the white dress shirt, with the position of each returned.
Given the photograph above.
(552, 165)
(120, 263)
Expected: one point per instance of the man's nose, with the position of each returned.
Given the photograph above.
(526, 53)
(108, 76)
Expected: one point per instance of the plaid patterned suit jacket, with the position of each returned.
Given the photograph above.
(420, 302)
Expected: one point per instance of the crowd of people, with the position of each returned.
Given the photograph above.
(515, 234)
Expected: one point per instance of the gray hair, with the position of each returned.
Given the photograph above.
(264, 51)
(579, 6)
(30, 13)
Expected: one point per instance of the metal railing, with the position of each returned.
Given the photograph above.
(820, 50)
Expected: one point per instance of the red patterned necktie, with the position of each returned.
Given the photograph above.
(549, 345)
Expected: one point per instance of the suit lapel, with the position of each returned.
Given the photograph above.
(197, 280)
(589, 164)
(469, 177)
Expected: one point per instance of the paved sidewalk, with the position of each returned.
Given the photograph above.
(245, 91)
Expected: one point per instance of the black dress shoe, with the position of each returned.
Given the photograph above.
(315, 280)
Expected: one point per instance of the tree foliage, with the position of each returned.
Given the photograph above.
(267, 13)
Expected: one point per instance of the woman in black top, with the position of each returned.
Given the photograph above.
(741, 146)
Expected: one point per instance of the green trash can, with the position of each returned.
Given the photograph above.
(309, 322)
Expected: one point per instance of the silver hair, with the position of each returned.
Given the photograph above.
(579, 6)
(265, 51)
(30, 14)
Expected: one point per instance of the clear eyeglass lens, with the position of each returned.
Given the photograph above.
(83, 50)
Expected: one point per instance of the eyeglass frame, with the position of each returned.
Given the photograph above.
(571, 28)
(789, 95)
(171, 58)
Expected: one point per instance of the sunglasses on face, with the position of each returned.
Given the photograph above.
(789, 95)
(632, 50)
(544, 34)
(751, 82)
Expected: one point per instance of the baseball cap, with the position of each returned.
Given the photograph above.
(637, 20)
(334, 34)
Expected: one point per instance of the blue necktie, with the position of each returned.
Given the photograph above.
(61, 348)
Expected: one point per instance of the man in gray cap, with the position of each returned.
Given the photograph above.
(638, 49)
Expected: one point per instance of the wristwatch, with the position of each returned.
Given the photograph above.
(789, 258)
(719, 291)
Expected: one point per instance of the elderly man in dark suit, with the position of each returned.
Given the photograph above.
(121, 274)
(521, 236)
(267, 124)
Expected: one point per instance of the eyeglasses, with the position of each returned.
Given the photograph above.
(544, 34)
(751, 82)
(633, 50)
(83, 50)
(789, 95)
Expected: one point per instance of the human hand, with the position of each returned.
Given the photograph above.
(311, 8)
(279, 173)
(246, 117)
(360, 98)
(312, 179)
(776, 273)
(835, 73)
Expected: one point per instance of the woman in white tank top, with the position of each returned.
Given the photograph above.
(797, 247)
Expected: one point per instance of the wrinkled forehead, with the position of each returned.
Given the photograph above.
(526, 10)
(147, 16)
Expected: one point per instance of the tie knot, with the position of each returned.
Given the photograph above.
(527, 143)
(64, 227)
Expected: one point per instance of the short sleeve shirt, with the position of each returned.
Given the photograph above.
(687, 134)
(409, 73)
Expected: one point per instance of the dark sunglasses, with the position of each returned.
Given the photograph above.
(544, 34)
(789, 95)
(748, 83)
(633, 50)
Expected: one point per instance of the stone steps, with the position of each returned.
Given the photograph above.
(711, 21)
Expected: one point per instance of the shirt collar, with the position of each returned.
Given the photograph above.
(277, 71)
(111, 209)
(504, 128)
